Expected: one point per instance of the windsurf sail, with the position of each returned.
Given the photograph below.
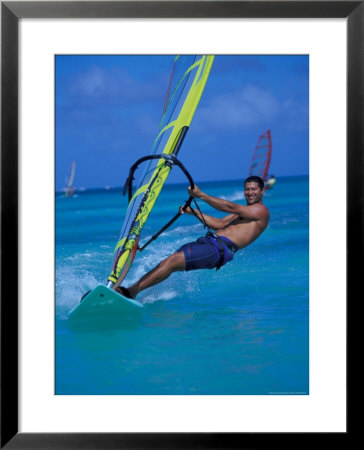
(187, 83)
(260, 161)
(70, 189)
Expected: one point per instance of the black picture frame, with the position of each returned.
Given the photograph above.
(11, 12)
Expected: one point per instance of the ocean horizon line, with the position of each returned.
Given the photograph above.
(204, 182)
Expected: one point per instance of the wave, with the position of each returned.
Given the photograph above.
(152, 297)
(70, 287)
(183, 230)
(237, 195)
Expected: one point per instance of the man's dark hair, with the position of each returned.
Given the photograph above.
(255, 179)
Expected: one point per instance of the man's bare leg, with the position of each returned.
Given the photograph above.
(173, 263)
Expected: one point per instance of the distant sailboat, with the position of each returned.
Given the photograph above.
(70, 190)
(261, 157)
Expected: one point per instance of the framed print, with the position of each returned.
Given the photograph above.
(60, 66)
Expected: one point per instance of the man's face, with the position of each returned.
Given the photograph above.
(253, 193)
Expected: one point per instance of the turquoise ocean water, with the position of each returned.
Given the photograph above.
(242, 330)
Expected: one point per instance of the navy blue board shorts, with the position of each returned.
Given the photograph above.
(208, 252)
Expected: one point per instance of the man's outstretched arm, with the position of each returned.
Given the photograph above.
(212, 222)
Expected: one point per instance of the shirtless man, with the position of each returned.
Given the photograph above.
(242, 226)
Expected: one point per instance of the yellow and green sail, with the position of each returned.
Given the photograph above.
(189, 76)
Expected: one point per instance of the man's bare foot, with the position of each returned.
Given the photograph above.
(123, 291)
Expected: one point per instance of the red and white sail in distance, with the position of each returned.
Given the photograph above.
(260, 162)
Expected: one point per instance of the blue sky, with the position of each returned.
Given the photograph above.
(108, 110)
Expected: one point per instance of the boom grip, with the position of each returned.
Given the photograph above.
(171, 160)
